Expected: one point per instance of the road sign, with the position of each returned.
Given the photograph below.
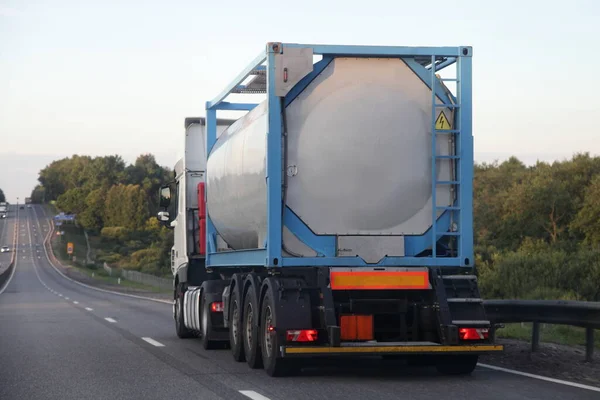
(70, 248)
(442, 123)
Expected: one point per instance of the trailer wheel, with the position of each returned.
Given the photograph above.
(206, 324)
(235, 327)
(250, 330)
(457, 365)
(274, 365)
(182, 331)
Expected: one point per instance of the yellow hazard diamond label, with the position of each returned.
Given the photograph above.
(442, 123)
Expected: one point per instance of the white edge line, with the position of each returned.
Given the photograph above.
(110, 320)
(543, 378)
(91, 287)
(153, 342)
(253, 395)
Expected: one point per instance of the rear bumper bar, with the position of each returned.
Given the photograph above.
(312, 351)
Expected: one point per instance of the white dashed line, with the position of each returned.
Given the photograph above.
(89, 309)
(253, 395)
(111, 320)
(75, 302)
(60, 295)
(66, 298)
(153, 342)
(543, 378)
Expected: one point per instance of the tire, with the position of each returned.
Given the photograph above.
(274, 366)
(457, 365)
(235, 327)
(206, 324)
(250, 330)
(182, 331)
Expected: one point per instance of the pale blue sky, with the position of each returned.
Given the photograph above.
(107, 76)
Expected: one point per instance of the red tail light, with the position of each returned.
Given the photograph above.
(304, 335)
(473, 333)
(217, 306)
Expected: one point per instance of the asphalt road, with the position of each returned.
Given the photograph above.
(59, 340)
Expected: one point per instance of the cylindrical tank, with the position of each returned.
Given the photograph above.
(358, 157)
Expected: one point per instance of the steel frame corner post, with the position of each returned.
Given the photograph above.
(211, 139)
(274, 163)
(465, 122)
(434, 178)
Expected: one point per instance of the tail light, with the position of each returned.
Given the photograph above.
(217, 306)
(473, 333)
(304, 335)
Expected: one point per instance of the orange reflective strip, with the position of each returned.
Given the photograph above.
(379, 280)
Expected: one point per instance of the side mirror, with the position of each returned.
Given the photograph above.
(165, 196)
(163, 216)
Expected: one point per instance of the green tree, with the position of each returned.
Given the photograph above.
(587, 220)
(2, 197)
(92, 217)
(72, 201)
(38, 194)
(150, 176)
(539, 207)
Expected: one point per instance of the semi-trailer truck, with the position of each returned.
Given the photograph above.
(334, 217)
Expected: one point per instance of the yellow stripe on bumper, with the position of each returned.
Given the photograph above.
(392, 349)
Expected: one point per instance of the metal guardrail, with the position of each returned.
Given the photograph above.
(559, 312)
(146, 279)
(139, 277)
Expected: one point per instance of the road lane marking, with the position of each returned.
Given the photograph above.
(66, 298)
(110, 320)
(89, 309)
(75, 302)
(60, 295)
(153, 342)
(543, 378)
(253, 395)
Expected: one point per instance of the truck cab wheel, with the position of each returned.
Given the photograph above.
(206, 324)
(457, 365)
(182, 331)
(235, 327)
(250, 330)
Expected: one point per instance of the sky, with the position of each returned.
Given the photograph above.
(119, 77)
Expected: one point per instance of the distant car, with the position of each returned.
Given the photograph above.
(28, 205)
(22, 208)
(4, 249)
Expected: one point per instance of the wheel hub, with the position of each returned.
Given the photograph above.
(249, 321)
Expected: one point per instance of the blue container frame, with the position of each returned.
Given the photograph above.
(279, 215)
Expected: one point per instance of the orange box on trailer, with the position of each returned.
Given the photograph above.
(356, 327)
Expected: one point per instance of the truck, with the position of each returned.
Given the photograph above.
(334, 217)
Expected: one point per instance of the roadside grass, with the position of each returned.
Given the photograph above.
(75, 235)
(558, 334)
